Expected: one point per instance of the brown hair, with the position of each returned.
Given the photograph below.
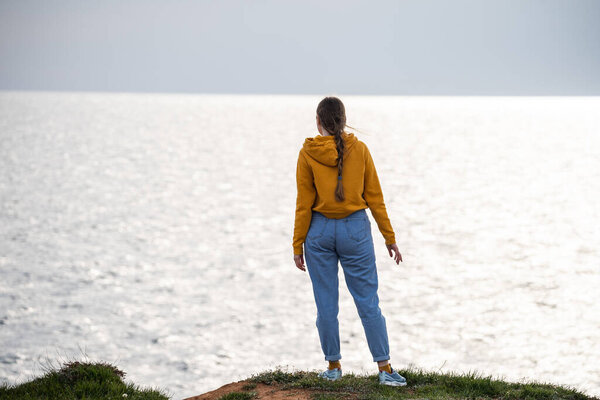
(332, 115)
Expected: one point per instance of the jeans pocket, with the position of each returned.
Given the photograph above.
(316, 229)
(357, 228)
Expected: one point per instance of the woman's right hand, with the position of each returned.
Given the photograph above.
(397, 256)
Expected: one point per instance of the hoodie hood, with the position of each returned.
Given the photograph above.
(323, 148)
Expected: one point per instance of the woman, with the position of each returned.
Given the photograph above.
(337, 181)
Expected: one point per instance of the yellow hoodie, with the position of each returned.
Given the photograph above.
(316, 179)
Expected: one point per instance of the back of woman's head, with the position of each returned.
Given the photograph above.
(332, 113)
(332, 116)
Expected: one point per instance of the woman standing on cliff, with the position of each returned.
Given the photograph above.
(337, 181)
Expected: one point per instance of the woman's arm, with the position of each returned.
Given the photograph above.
(304, 202)
(373, 195)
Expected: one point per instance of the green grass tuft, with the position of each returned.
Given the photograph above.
(238, 396)
(249, 386)
(79, 380)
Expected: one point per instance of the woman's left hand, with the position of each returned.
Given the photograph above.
(299, 259)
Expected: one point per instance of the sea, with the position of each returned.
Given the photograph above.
(154, 232)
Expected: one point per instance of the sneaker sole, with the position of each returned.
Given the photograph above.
(329, 379)
(393, 383)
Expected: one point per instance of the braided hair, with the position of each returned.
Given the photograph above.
(332, 114)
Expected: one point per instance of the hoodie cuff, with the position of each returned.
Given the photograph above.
(298, 250)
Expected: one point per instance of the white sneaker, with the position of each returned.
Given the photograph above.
(393, 379)
(331, 374)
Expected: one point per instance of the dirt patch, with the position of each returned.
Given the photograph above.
(263, 391)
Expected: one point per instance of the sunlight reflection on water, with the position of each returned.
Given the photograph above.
(155, 231)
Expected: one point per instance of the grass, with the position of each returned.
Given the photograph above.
(100, 380)
(79, 380)
(420, 385)
(238, 396)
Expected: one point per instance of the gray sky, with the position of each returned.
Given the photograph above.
(463, 47)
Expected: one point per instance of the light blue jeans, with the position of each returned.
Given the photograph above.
(348, 240)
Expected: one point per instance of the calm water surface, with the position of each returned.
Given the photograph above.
(154, 231)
